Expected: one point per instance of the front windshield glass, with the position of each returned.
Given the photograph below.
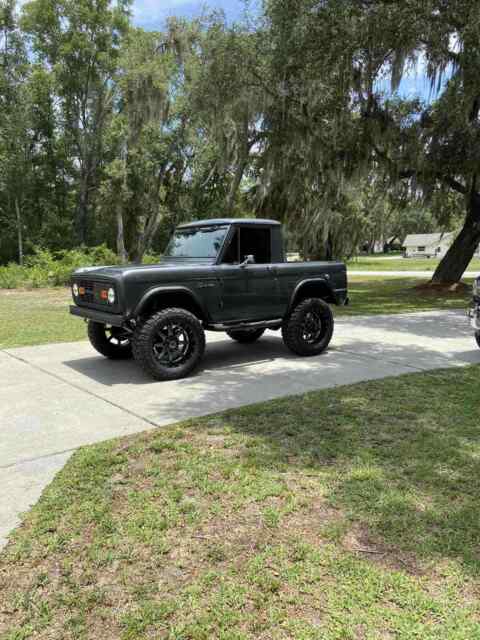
(197, 242)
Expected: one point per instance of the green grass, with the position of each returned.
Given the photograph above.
(343, 514)
(372, 263)
(39, 316)
(371, 295)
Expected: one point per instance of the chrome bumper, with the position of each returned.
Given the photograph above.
(474, 315)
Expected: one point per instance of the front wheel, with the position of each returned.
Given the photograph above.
(246, 336)
(111, 342)
(477, 337)
(307, 331)
(170, 344)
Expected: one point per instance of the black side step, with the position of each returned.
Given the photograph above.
(263, 324)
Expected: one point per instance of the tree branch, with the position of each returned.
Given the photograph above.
(453, 184)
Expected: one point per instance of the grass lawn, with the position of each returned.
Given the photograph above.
(343, 514)
(372, 263)
(37, 317)
(40, 316)
(371, 295)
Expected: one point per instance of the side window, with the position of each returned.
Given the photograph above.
(256, 242)
(231, 255)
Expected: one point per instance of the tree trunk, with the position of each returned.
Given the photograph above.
(321, 253)
(234, 186)
(81, 214)
(455, 262)
(121, 250)
(146, 232)
(19, 232)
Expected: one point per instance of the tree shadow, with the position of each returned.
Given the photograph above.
(407, 468)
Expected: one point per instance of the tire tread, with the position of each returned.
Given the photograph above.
(290, 329)
(140, 345)
(96, 335)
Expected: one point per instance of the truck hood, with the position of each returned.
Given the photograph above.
(117, 271)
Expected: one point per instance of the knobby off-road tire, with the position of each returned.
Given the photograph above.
(169, 344)
(477, 337)
(111, 342)
(308, 329)
(246, 336)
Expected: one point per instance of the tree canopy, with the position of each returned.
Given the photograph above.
(110, 133)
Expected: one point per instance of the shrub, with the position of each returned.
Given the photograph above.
(46, 269)
(12, 276)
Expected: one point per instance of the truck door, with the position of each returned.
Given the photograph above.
(263, 290)
(232, 282)
(251, 292)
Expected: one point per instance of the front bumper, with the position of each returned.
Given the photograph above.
(474, 315)
(112, 319)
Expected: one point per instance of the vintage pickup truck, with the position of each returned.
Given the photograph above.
(219, 275)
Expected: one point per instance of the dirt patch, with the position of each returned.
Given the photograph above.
(360, 541)
(434, 288)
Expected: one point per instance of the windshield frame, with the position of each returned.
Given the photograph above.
(195, 228)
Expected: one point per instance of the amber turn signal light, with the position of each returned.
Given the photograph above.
(81, 291)
(104, 294)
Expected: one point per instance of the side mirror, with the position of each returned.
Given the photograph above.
(248, 260)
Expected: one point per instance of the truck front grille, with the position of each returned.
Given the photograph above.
(92, 291)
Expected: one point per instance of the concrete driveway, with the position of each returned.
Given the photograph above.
(404, 274)
(58, 397)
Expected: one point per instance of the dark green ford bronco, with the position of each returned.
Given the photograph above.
(216, 275)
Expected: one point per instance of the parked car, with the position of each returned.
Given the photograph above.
(226, 275)
(474, 312)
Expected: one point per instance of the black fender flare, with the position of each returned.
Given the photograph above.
(308, 281)
(157, 291)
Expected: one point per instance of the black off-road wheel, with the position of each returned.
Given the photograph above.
(308, 329)
(170, 344)
(477, 337)
(246, 336)
(111, 342)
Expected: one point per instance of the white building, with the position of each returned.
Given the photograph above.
(427, 245)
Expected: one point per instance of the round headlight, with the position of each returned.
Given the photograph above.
(75, 289)
(111, 295)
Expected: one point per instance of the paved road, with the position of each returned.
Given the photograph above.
(58, 397)
(404, 274)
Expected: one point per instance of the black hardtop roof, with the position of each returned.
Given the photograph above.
(215, 221)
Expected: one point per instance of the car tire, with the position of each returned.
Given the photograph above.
(112, 342)
(169, 344)
(308, 329)
(477, 337)
(246, 336)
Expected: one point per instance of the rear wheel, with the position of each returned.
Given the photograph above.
(246, 336)
(308, 329)
(111, 342)
(477, 337)
(170, 344)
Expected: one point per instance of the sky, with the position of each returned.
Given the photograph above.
(151, 14)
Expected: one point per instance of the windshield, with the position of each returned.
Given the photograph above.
(196, 242)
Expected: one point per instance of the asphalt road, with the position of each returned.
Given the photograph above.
(58, 397)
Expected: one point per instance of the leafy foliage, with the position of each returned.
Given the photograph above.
(44, 268)
(109, 133)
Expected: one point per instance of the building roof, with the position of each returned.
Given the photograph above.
(203, 223)
(425, 239)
